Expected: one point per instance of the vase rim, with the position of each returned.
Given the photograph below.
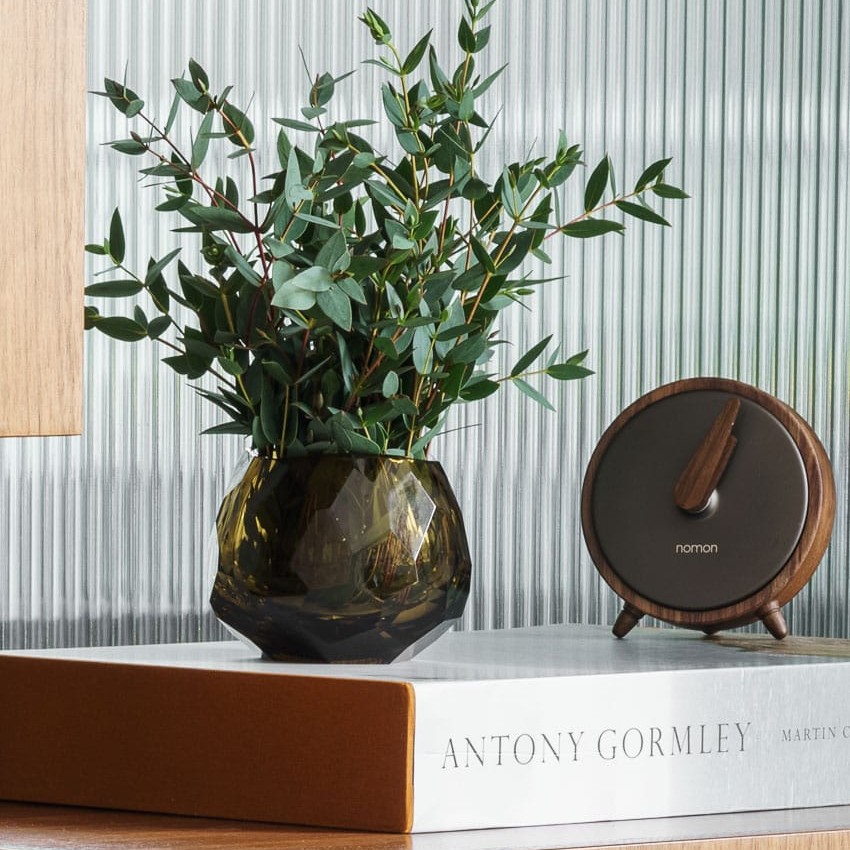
(351, 455)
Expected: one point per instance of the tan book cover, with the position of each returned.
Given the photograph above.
(217, 743)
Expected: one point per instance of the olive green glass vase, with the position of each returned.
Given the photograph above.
(341, 558)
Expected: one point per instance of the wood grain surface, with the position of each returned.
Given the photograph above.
(30, 827)
(42, 166)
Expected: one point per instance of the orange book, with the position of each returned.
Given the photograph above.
(517, 727)
(219, 743)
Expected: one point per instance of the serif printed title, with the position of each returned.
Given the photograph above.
(567, 746)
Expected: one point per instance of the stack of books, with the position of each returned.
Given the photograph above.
(520, 727)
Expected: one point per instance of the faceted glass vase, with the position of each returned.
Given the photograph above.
(341, 558)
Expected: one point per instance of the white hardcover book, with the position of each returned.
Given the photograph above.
(549, 725)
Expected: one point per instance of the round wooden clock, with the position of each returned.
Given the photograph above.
(707, 503)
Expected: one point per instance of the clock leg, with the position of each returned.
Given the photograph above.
(773, 620)
(627, 620)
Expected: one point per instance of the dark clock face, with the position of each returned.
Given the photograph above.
(710, 555)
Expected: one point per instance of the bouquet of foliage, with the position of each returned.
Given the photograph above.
(345, 302)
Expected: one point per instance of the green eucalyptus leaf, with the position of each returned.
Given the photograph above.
(228, 428)
(510, 196)
(155, 268)
(488, 81)
(482, 39)
(199, 347)
(237, 125)
(175, 201)
(642, 212)
(202, 141)
(258, 438)
(664, 190)
(172, 114)
(412, 60)
(468, 351)
(334, 303)
(384, 64)
(479, 389)
(466, 106)
(466, 37)
(360, 444)
(590, 227)
(652, 172)
(364, 160)
(352, 289)
(292, 298)
(423, 358)
(122, 98)
(387, 348)
(199, 77)
(314, 279)
(282, 272)
(310, 112)
(382, 194)
(450, 333)
(392, 106)
(277, 372)
(271, 419)
(187, 92)
(320, 222)
(567, 371)
(530, 356)
(482, 255)
(248, 272)
(122, 328)
(384, 411)
(158, 326)
(419, 445)
(474, 189)
(323, 88)
(596, 184)
(278, 249)
(390, 385)
(294, 124)
(130, 147)
(404, 406)
(217, 218)
(179, 363)
(332, 251)
(439, 80)
(114, 289)
(526, 389)
(116, 238)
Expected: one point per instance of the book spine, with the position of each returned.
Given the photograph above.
(608, 747)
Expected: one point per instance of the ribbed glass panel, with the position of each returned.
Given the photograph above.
(103, 538)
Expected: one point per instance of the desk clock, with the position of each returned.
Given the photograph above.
(708, 504)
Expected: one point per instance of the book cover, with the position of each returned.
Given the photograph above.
(532, 726)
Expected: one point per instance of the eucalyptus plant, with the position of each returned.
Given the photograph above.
(346, 301)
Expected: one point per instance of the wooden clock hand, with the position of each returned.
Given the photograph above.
(700, 477)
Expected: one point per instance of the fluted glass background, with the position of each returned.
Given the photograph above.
(103, 537)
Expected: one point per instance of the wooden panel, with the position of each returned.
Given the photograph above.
(42, 164)
(29, 827)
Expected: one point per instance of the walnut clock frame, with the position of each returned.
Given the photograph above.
(692, 492)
